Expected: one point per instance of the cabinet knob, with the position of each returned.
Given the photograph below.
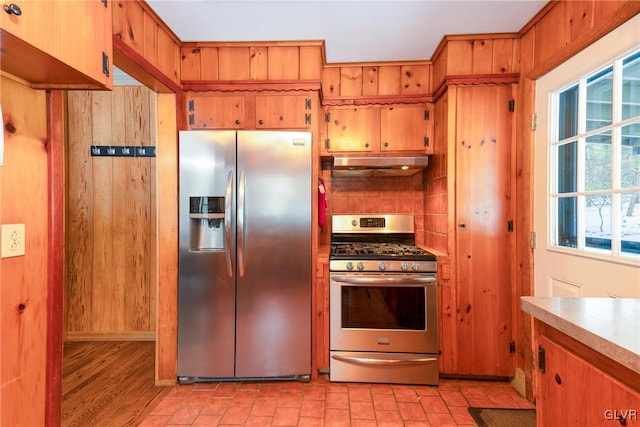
(13, 9)
(463, 225)
(386, 144)
(366, 145)
(237, 122)
(260, 122)
(558, 379)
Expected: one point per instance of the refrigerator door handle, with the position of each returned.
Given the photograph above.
(227, 223)
(241, 218)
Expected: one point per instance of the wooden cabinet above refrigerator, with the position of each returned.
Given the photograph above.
(242, 110)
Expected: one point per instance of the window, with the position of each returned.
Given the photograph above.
(595, 161)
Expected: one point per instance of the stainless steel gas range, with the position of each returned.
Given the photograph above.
(383, 302)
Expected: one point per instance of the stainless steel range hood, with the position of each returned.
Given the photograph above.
(365, 166)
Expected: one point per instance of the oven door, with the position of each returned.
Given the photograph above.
(383, 312)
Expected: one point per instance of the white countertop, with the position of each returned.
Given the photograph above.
(610, 326)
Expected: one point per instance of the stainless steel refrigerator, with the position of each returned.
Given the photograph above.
(244, 299)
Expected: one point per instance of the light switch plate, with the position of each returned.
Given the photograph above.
(13, 240)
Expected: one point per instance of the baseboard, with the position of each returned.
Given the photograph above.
(165, 383)
(110, 336)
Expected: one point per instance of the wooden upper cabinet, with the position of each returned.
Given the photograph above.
(352, 129)
(58, 44)
(283, 112)
(216, 112)
(244, 110)
(406, 128)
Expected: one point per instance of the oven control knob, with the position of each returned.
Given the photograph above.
(382, 266)
(404, 266)
(415, 267)
(349, 265)
(360, 266)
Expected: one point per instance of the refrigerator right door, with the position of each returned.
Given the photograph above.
(273, 329)
(206, 286)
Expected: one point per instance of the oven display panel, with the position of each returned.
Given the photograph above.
(384, 307)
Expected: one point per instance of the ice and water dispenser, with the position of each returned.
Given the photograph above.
(207, 224)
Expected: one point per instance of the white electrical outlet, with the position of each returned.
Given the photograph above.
(12, 240)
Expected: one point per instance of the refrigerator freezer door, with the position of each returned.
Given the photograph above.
(206, 295)
(273, 319)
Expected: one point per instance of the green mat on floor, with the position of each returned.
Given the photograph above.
(494, 417)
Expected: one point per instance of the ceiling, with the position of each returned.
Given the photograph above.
(353, 30)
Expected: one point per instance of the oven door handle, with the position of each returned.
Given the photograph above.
(373, 361)
(382, 280)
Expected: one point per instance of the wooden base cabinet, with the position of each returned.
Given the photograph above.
(58, 44)
(235, 110)
(379, 129)
(574, 392)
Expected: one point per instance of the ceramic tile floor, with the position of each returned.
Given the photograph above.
(323, 403)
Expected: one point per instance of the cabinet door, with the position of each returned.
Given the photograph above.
(58, 43)
(406, 128)
(283, 112)
(353, 129)
(572, 392)
(483, 240)
(216, 112)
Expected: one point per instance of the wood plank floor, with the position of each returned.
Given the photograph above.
(109, 383)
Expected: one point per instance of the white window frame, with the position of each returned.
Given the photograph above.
(615, 191)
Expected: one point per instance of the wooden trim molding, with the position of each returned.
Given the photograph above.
(55, 267)
(251, 85)
(379, 100)
(478, 79)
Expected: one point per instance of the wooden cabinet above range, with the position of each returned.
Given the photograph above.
(58, 44)
(379, 129)
(240, 110)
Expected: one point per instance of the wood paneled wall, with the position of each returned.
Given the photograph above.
(139, 28)
(376, 79)
(23, 279)
(475, 55)
(258, 61)
(111, 264)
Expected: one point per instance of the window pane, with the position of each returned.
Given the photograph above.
(567, 173)
(631, 87)
(630, 156)
(568, 113)
(599, 89)
(597, 218)
(598, 162)
(630, 223)
(567, 222)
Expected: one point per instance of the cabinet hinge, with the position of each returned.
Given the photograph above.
(105, 3)
(426, 141)
(510, 226)
(512, 105)
(307, 119)
(191, 105)
(541, 359)
(534, 121)
(105, 64)
(532, 240)
(512, 347)
(327, 117)
(192, 120)
(307, 104)
(426, 114)
(327, 143)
